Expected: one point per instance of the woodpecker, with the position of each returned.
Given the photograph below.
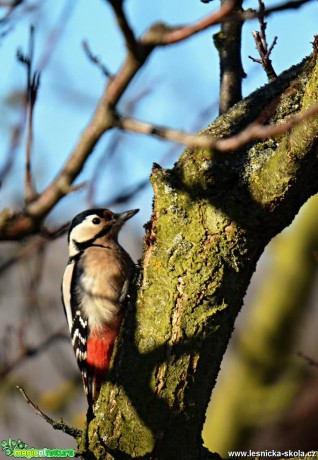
(94, 288)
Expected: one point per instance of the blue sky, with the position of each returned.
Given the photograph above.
(180, 81)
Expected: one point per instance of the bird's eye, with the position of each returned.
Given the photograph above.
(96, 221)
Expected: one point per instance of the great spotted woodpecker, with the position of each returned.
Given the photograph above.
(94, 288)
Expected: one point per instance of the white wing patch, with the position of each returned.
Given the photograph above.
(66, 292)
(80, 355)
(77, 334)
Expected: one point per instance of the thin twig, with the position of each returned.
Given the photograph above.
(30, 351)
(103, 119)
(129, 193)
(25, 252)
(12, 150)
(56, 424)
(33, 82)
(55, 35)
(250, 14)
(51, 42)
(252, 132)
(5, 32)
(35, 277)
(101, 165)
(262, 46)
(37, 243)
(111, 150)
(95, 59)
(53, 234)
(308, 360)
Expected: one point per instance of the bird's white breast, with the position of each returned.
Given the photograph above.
(101, 285)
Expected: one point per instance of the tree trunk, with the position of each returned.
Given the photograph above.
(213, 215)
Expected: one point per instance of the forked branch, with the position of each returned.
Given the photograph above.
(261, 44)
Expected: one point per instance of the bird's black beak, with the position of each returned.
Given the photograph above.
(122, 217)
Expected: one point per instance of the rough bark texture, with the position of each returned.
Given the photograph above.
(213, 215)
(264, 359)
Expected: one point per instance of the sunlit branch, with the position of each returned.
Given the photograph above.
(168, 35)
(29, 221)
(262, 46)
(252, 132)
(56, 424)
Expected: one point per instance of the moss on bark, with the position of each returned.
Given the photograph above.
(213, 215)
(264, 361)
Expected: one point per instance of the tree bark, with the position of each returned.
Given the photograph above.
(213, 215)
(264, 359)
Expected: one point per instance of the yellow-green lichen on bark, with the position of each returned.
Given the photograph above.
(264, 361)
(278, 174)
(208, 228)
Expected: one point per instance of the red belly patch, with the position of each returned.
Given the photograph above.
(99, 350)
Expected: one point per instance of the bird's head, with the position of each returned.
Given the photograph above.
(95, 226)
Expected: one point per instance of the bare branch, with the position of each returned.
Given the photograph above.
(96, 60)
(228, 44)
(252, 132)
(56, 424)
(161, 35)
(131, 42)
(29, 221)
(262, 46)
(104, 117)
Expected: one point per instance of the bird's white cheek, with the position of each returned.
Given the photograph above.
(84, 232)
